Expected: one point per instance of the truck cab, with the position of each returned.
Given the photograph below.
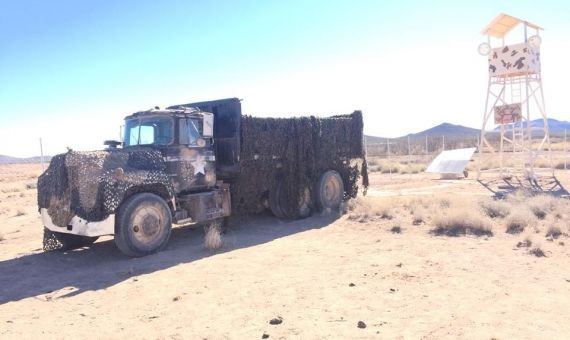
(185, 139)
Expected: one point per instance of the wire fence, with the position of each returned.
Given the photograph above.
(424, 149)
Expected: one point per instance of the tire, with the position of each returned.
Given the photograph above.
(63, 241)
(329, 192)
(279, 203)
(143, 225)
(275, 199)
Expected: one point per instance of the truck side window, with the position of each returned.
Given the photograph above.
(190, 131)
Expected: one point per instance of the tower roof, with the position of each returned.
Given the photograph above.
(503, 24)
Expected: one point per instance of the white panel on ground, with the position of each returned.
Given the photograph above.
(451, 161)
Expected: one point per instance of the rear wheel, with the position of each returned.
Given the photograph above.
(281, 205)
(143, 225)
(329, 191)
(63, 241)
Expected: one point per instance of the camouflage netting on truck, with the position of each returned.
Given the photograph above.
(91, 185)
(296, 151)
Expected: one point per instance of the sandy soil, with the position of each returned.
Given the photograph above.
(320, 276)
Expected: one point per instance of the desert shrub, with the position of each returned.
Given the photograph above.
(541, 205)
(518, 221)
(536, 251)
(560, 166)
(30, 186)
(553, 232)
(445, 202)
(396, 229)
(2, 237)
(20, 212)
(526, 243)
(460, 223)
(495, 208)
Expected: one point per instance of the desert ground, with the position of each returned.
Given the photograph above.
(418, 257)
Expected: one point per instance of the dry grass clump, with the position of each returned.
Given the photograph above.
(518, 221)
(31, 186)
(2, 237)
(365, 209)
(213, 237)
(460, 223)
(419, 215)
(413, 169)
(496, 208)
(20, 212)
(10, 190)
(541, 205)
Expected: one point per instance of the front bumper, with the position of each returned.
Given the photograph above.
(79, 226)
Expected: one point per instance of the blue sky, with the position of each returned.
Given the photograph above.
(70, 70)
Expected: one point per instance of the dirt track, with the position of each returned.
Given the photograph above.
(408, 285)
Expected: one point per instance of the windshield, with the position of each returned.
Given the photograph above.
(148, 131)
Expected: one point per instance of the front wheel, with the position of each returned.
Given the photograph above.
(143, 225)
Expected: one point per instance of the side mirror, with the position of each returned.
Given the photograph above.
(112, 144)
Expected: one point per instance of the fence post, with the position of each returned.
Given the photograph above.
(42, 155)
(388, 156)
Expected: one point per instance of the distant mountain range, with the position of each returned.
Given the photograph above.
(555, 126)
(459, 131)
(17, 160)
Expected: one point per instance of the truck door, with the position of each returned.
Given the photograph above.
(192, 163)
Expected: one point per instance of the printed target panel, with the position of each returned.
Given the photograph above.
(514, 60)
(507, 114)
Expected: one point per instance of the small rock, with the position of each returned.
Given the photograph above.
(176, 298)
(392, 290)
(351, 284)
(399, 265)
(276, 321)
(361, 324)
(265, 336)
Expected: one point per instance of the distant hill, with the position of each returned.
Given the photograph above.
(17, 160)
(448, 130)
(445, 129)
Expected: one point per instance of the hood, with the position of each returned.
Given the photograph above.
(92, 184)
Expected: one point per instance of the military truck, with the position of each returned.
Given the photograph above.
(199, 163)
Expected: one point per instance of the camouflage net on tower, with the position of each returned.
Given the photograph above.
(296, 151)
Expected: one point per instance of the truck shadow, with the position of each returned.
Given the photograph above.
(49, 275)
